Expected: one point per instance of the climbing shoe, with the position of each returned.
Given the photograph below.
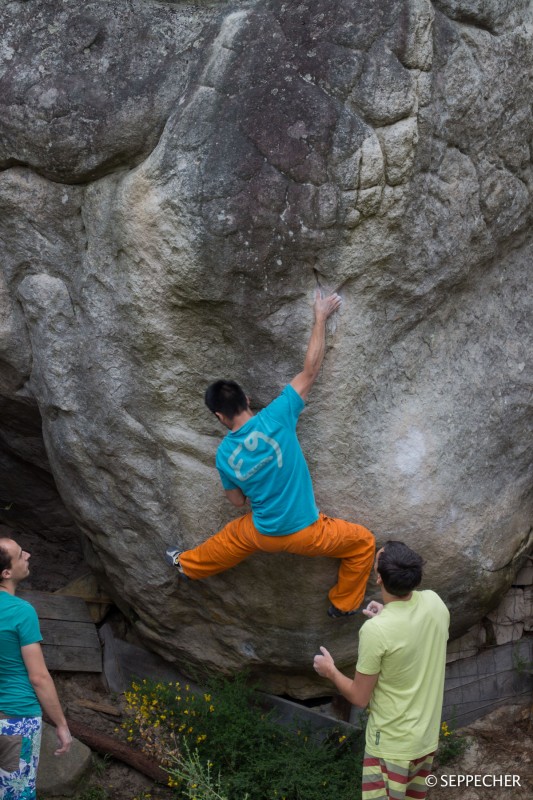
(172, 557)
(336, 613)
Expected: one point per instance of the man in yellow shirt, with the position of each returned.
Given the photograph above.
(400, 674)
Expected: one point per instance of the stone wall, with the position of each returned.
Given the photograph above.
(509, 622)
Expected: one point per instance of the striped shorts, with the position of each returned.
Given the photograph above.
(395, 780)
(20, 742)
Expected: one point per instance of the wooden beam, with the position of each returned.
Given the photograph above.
(57, 606)
(71, 634)
(70, 639)
(105, 744)
(72, 659)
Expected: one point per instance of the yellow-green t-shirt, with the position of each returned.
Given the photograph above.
(406, 645)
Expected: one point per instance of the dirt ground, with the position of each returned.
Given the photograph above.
(108, 779)
(499, 744)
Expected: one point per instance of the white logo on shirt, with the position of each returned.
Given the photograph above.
(250, 443)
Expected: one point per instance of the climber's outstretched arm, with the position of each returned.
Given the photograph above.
(324, 308)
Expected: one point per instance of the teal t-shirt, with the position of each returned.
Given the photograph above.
(264, 459)
(406, 645)
(19, 626)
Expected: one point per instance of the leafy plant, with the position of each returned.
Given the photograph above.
(452, 744)
(226, 730)
(195, 777)
(522, 665)
(100, 763)
(93, 793)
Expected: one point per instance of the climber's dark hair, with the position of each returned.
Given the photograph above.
(400, 568)
(226, 397)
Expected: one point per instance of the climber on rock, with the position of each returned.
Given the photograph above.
(260, 460)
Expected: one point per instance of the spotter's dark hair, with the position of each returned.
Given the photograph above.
(400, 568)
(6, 561)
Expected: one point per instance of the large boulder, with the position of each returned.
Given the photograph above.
(383, 151)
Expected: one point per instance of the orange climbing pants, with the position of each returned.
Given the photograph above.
(334, 538)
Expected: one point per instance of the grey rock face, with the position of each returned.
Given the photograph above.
(382, 151)
(85, 89)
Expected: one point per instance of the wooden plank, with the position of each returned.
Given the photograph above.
(290, 714)
(71, 634)
(70, 640)
(136, 662)
(101, 708)
(57, 606)
(124, 662)
(72, 659)
(116, 682)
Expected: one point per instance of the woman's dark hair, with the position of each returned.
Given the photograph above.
(400, 568)
(226, 397)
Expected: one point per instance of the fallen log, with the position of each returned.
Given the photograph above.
(108, 745)
(103, 708)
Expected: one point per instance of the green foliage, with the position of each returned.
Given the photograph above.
(89, 793)
(100, 763)
(93, 793)
(195, 777)
(226, 733)
(521, 664)
(452, 744)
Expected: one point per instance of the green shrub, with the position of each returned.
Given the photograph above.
(195, 778)
(93, 793)
(452, 744)
(226, 733)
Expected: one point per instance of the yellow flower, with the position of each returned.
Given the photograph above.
(341, 739)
